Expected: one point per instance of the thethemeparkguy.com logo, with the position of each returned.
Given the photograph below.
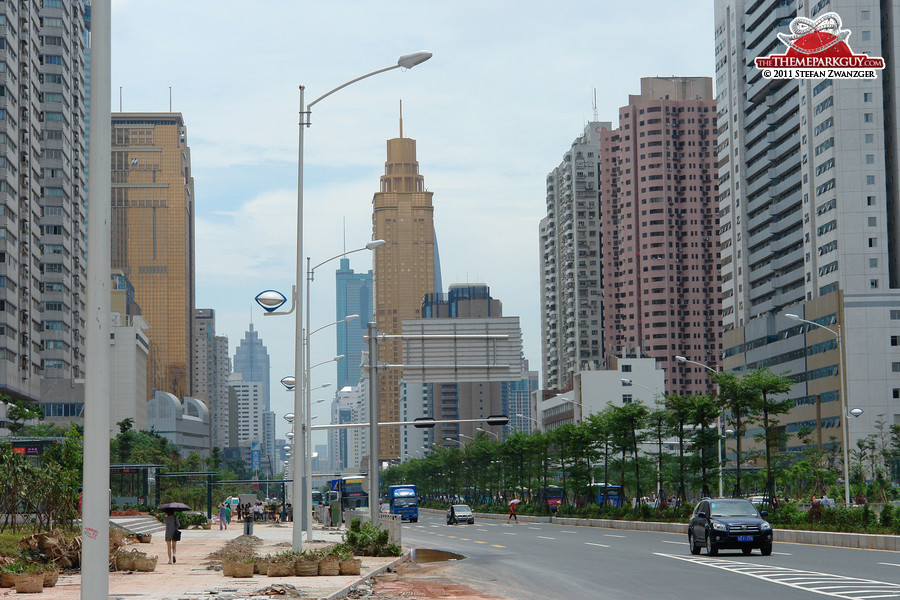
(818, 49)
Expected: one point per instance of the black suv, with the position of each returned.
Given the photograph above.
(729, 523)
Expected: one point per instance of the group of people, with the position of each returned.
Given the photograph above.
(266, 511)
(225, 516)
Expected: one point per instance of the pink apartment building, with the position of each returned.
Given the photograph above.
(659, 230)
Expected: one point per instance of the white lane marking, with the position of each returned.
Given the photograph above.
(673, 542)
(890, 564)
(544, 537)
(534, 528)
(593, 544)
(826, 584)
(508, 533)
(568, 532)
(783, 553)
(613, 535)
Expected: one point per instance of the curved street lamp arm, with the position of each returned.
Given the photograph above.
(343, 85)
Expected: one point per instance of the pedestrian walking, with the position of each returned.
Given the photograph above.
(453, 519)
(173, 525)
(512, 512)
(227, 515)
(223, 522)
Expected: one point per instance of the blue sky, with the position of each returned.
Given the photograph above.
(508, 89)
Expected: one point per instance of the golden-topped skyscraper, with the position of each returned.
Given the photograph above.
(404, 269)
(153, 236)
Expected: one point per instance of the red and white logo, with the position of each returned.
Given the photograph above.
(818, 49)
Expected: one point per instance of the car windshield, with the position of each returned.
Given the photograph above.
(461, 508)
(732, 508)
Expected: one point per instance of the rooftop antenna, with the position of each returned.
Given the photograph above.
(120, 98)
(401, 119)
(345, 235)
(596, 114)
(170, 98)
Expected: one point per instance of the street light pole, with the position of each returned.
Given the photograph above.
(845, 423)
(719, 420)
(406, 61)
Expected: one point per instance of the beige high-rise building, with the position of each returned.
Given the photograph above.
(404, 269)
(153, 236)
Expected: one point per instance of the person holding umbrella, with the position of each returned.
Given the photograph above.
(512, 510)
(173, 526)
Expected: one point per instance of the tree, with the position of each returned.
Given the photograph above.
(738, 399)
(704, 410)
(680, 408)
(19, 411)
(764, 384)
(627, 423)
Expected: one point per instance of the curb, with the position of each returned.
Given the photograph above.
(363, 578)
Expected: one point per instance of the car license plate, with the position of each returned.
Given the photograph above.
(745, 538)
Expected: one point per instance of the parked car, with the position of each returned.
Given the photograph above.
(732, 523)
(464, 514)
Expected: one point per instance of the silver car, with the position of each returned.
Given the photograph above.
(463, 513)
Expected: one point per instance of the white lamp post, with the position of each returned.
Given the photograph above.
(407, 61)
(521, 416)
(719, 420)
(845, 425)
(489, 432)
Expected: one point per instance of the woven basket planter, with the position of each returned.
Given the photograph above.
(227, 567)
(7, 579)
(330, 565)
(145, 565)
(306, 568)
(261, 566)
(51, 577)
(125, 561)
(242, 570)
(351, 566)
(30, 583)
(280, 569)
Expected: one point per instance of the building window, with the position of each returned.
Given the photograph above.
(626, 368)
(627, 398)
(870, 180)
(873, 221)
(870, 159)
(870, 138)
(895, 367)
(873, 263)
(873, 242)
(870, 200)
(895, 340)
(869, 117)
(867, 96)
(866, 35)
(873, 284)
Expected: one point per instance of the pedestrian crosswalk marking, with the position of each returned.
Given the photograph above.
(826, 584)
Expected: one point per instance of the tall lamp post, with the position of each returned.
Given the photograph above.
(845, 424)
(407, 61)
(719, 420)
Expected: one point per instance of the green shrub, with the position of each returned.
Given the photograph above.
(887, 516)
(369, 539)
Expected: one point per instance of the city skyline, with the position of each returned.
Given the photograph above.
(490, 112)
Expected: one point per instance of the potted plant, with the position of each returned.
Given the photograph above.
(9, 571)
(243, 567)
(30, 580)
(330, 563)
(51, 573)
(144, 563)
(307, 563)
(282, 564)
(349, 564)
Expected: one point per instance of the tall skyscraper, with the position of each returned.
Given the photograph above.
(808, 183)
(251, 361)
(153, 236)
(571, 306)
(44, 191)
(658, 198)
(212, 366)
(353, 297)
(516, 396)
(404, 269)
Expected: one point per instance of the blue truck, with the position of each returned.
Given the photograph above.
(403, 501)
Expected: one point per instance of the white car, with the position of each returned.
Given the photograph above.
(463, 513)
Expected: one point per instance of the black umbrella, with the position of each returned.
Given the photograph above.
(174, 506)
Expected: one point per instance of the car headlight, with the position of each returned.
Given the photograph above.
(720, 526)
(764, 526)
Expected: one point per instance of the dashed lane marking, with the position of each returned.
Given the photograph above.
(673, 542)
(544, 537)
(889, 564)
(573, 532)
(497, 546)
(825, 584)
(613, 535)
(593, 544)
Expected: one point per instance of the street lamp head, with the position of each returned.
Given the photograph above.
(270, 300)
(289, 435)
(626, 381)
(408, 61)
(349, 318)
(339, 357)
(792, 317)
(289, 417)
(375, 244)
(289, 382)
(681, 359)
(287, 447)
(729, 432)
(855, 412)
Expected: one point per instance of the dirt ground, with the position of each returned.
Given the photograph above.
(420, 581)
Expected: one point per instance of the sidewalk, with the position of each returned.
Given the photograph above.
(190, 579)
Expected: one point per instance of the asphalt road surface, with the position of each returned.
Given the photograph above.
(528, 561)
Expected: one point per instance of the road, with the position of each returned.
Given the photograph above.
(531, 561)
